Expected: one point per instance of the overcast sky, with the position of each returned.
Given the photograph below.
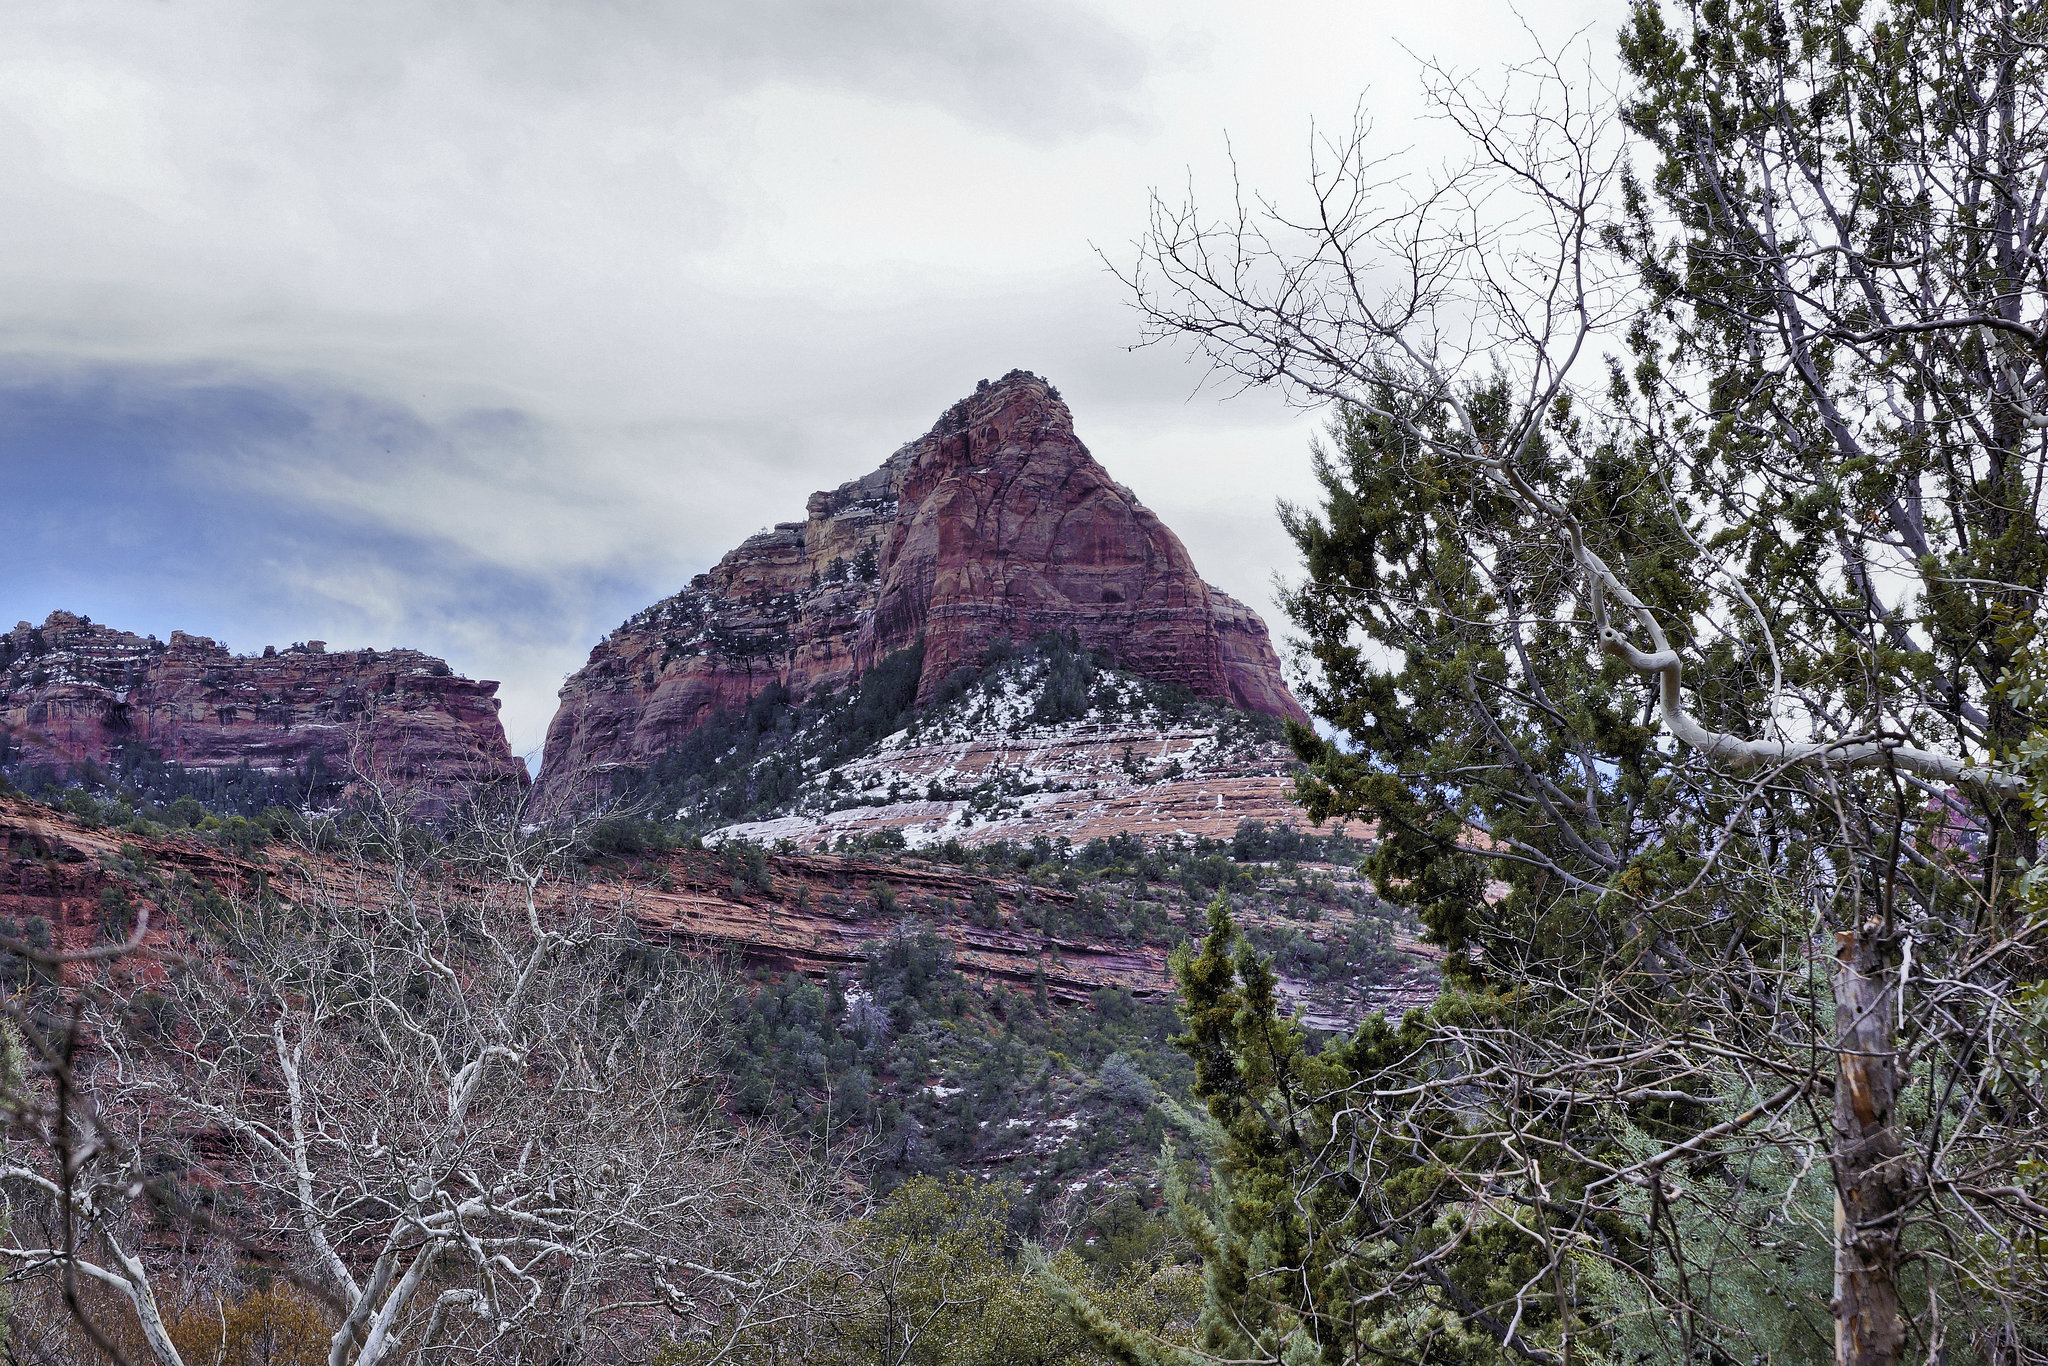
(477, 326)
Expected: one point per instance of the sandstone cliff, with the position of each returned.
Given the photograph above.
(996, 523)
(73, 692)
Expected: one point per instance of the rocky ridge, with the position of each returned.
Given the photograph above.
(809, 913)
(73, 692)
(996, 524)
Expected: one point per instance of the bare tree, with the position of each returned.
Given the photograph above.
(426, 1077)
(44, 1047)
(1753, 453)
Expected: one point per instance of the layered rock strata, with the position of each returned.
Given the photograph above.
(997, 523)
(816, 914)
(73, 692)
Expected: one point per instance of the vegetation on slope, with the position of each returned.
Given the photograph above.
(907, 1070)
(780, 753)
(142, 786)
(928, 1069)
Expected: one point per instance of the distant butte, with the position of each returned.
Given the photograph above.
(996, 523)
(73, 692)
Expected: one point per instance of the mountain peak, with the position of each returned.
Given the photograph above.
(997, 524)
(1019, 389)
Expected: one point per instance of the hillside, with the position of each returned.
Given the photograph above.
(1042, 741)
(964, 1008)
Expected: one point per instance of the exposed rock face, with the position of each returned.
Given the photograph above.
(74, 692)
(996, 523)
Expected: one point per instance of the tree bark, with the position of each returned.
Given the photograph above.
(1869, 1163)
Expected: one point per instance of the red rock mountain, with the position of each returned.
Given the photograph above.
(996, 523)
(73, 692)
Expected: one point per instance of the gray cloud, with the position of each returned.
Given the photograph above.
(1034, 67)
(475, 326)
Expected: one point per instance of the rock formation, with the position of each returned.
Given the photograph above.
(996, 523)
(73, 692)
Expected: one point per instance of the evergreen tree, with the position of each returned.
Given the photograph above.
(1684, 693)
